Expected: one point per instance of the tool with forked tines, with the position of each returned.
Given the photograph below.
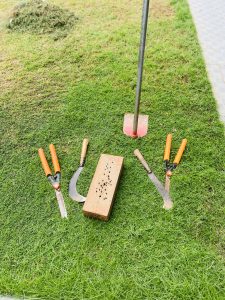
(54, 179)
(169, 167)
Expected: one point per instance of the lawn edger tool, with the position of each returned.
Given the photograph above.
(136, 125)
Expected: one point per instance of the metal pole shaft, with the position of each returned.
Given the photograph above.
(141, 62)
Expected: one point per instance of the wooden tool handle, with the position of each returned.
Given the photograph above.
(84, 151)
(138, 154)
(180, 152)
(44, 162)
(168, 147)
(55, 161)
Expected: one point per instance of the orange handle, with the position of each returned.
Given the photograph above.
(168, 147)
(55, 161)
(44, 162)
(180, 152)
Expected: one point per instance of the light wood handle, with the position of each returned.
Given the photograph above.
(168, 147)
(55, 161)
(44, 162)
(84, 151)
(138, 154)
(180, 152)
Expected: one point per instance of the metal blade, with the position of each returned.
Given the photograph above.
(61, 203)
(129, 122)
(167, 184)
(165, 195)
(73, 187)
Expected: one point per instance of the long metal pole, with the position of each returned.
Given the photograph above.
(141, 62)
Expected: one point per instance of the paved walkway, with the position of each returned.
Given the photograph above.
(209, 19)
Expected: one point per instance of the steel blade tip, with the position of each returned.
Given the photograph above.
(74, 195)
(168, 205)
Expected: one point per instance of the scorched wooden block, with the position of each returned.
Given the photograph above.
(103, 187)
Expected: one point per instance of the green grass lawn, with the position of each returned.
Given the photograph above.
(62, 91)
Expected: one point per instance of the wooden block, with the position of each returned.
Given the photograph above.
(103, 187)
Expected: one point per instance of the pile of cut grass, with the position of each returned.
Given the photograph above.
(41, 17)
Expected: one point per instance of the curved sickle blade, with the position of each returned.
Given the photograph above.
(73, 187)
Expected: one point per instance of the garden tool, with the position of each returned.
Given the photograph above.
(169, 167)
(136, 125)
(73, 193)
(54, 179)
(168, 204)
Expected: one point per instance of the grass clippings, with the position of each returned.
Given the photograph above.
(41, 17)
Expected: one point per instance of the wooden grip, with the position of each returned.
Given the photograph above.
(180, 152)
(55, 161)
(84, 151)
(44, 162)
(138, 154)
(168, 147)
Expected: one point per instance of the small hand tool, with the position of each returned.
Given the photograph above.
(169, 167)
(54, 180)
(73, 193)
(168, 204)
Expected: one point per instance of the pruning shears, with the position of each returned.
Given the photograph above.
(169, 167)
(54, 179)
